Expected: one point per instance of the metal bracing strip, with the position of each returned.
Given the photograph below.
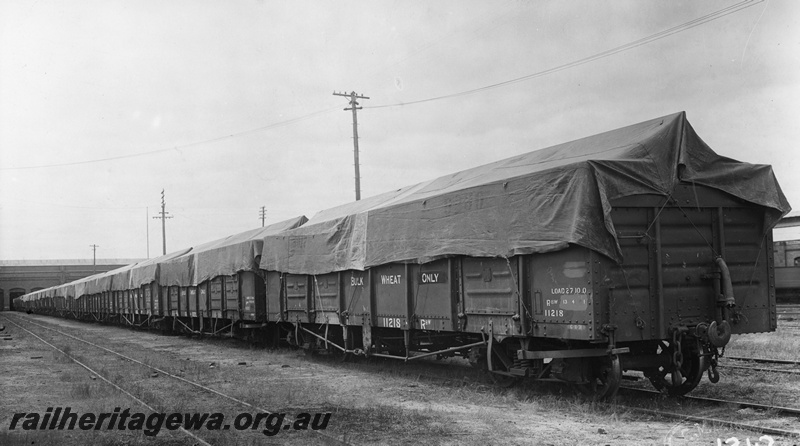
(520, 299)
(187, 327)
(662, 330)
(414, 296)
(319, 298)
(323, 339)
(223, 328)
(666, 201)
(490, 344)
(425, 355)
(321, 309)
(352, 301)
(144, 321)
(447, 350)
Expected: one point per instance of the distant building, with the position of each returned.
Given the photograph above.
(787, 271)
(787, 253)
(18, 277)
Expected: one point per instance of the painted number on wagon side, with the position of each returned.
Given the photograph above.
(391, 322)
(568, 290)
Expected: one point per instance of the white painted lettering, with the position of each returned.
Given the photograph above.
(390, 280)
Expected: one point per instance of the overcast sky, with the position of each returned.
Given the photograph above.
(228, 106)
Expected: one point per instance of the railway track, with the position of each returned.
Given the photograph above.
(714, 402)
(656, 396)
(679, 413)
(230, 400)
(790, 367)
(632, 398)
(652, 396)
(765, 360)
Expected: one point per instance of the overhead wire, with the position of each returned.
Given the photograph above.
(182, 146)
(607, 53)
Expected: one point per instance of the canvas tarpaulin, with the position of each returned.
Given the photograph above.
(147, 271)
(535, 202)
(221, 257)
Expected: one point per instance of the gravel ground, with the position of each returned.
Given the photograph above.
(370, 402)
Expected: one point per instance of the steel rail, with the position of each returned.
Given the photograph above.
(180, 378)
(94, 372)
(759, 369)
(733, 424)
(763, 360)
(743, 404)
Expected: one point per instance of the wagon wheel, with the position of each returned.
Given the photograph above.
(691, 372)
(607, 376)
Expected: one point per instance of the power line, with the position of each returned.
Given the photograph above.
(179, 147)
(610, 52)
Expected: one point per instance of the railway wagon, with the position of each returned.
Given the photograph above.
(217, 286)
(165, 292)
(636, 249)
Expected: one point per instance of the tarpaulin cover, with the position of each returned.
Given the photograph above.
(68, 290)
(146, 271)
(80, 286)
(121, 277)
(96, 283)
(103, 282)
(536, 202)
(221, 257)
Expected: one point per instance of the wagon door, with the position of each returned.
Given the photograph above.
(297, 293)
(356, 297)
(669, 276)
(326, 302)
(232, 297)
(490, 292)
(435, 296)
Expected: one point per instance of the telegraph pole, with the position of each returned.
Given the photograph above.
(163, 218)
(354, 106)
(94, 258)
(263, 215)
